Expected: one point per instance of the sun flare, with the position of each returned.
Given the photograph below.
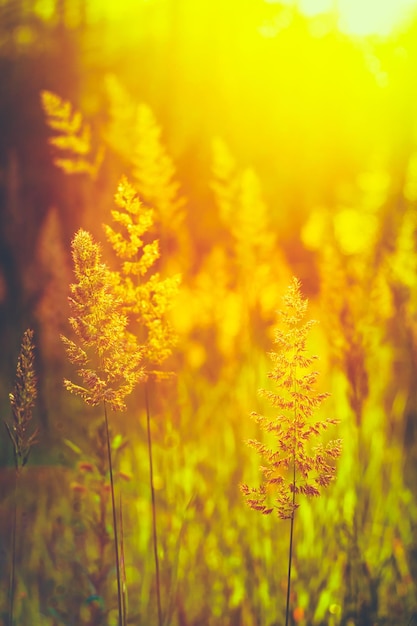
(373, 16)
(359, 17)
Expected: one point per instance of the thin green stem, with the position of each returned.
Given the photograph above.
(155, 534)
(123, 564)
(287, 610)
(116, 538)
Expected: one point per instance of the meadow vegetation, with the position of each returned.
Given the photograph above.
(149, 372)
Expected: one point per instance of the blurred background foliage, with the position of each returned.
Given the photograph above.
(272, 139)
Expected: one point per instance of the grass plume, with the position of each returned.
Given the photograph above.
(147, 297)
(72, 136)
(134, 132)
(22, 401)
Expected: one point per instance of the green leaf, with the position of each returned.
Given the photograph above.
(117, 442)
(72, 446)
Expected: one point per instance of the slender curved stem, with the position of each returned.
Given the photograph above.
(155, 534)
(116, 538)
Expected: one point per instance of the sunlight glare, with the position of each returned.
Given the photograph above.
(310, 8)
(359, 17)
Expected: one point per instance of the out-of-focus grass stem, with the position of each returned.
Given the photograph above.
(115, 533)
(154, 528)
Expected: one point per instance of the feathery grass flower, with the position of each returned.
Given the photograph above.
(100, 326)
(22, 401)
(72, 138)
(135, 134)
(145, 295)
(292, 466)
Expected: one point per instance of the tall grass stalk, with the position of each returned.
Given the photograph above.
(108, 354)
(147, 297)
(291, 464)
(22, 401)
